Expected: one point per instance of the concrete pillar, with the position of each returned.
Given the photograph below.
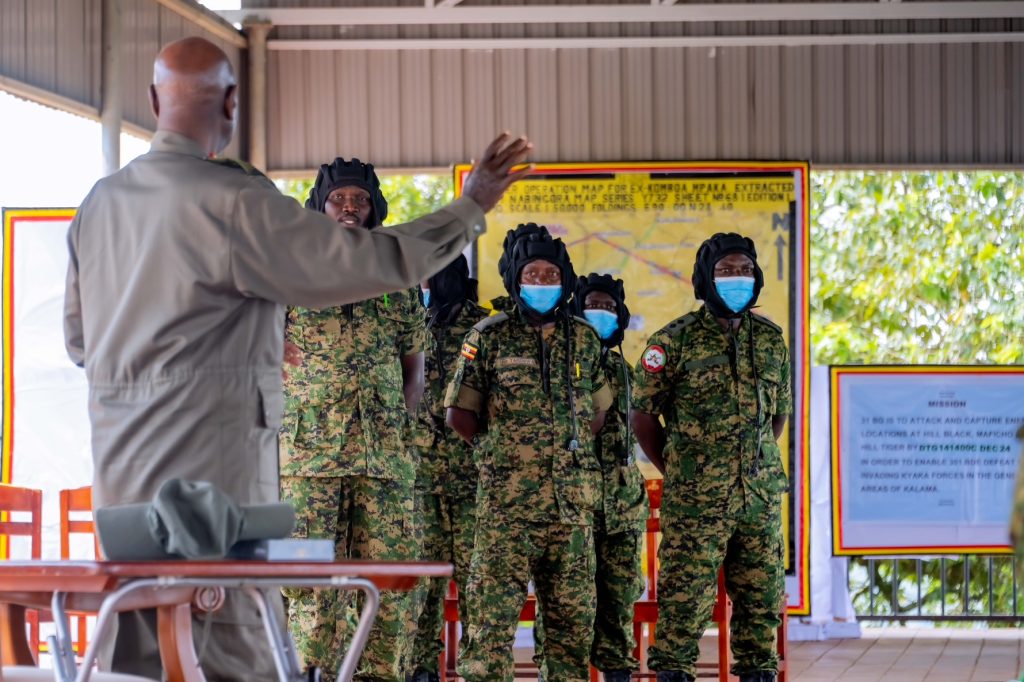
(257, 33)
(110, 86)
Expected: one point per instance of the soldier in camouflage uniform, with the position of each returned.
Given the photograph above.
(346, 464)
(529, 393)
(720, 378)
(446, 479)
(621, 515)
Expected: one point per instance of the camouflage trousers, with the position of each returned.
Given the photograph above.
(448, 524)
(748, 538)
(619, 581)
(367, 518)
(506, 554)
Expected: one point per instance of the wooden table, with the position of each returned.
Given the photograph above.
(173, 588)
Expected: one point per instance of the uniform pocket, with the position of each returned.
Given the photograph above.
(772, 479)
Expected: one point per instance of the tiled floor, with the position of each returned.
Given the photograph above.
(905, 655)
(892, 655)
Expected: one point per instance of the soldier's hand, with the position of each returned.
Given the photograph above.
(493, 173)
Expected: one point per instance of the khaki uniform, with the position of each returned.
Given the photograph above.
(347, 466)
(178, 273)
(723, 482)
(446, 482)
(535, 497)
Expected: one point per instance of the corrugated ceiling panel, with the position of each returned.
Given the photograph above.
(796, 124)
(448, 109)
(480, 121)
(352, 102)
(385, 108)
(864, 131)
(734, 103)
(573, 105)
(510, 92)
(92, 50)
(637, 113)
(829, 103)
(671, 114)
(542, 110)
(895, 114)
(321, 117)
(766, 111)
(926, 103)
(1016, 124)
(295, 138)
(993, 139)
(959, 98)
(606, 105)
(41, 28)
(73, 75)
(700, 101)
(417, 110)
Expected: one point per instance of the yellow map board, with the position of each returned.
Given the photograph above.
(643, 223)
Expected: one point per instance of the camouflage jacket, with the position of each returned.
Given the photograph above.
(513, 376)
(699, 378)
(345, 411)
(446, 463)
(624, 498)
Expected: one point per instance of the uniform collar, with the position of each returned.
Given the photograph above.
(708, 320)
(176, 143)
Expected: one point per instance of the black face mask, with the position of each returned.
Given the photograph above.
(710, 252)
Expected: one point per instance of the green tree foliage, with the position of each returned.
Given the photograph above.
(920, 268)
(917, 268)
(409, 196)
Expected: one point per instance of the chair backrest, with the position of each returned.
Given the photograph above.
(654, 487)
(76, 500)
(13, 500)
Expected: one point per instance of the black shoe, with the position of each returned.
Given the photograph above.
(760, 676)
(425, 676)
(618, 675)
(312, 674)
(673, 676)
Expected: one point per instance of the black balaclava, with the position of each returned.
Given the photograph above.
(342, 173)
(611, 286)
(710, 252)
(450, 287)
(527, 243)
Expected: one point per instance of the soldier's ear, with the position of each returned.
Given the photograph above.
(154, 101)
(230, 102)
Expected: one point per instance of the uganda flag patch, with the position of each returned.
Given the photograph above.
(469, 351)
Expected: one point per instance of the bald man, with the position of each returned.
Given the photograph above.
(180, 267)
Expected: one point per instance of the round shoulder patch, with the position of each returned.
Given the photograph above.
(653, 359)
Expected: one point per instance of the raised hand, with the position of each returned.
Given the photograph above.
(493, 173)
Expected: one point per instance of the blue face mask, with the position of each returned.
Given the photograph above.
(426, 297)
(541, 298)
(736, 292)
(605, 322)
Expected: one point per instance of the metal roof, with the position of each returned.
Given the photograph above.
(425, 83)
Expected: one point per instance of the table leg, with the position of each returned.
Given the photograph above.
(177, 650)
(14, 648)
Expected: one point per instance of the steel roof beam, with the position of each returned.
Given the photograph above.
(640, 41)
(443, 13)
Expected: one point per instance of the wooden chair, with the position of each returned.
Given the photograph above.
(77, 501)
(16, 500)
